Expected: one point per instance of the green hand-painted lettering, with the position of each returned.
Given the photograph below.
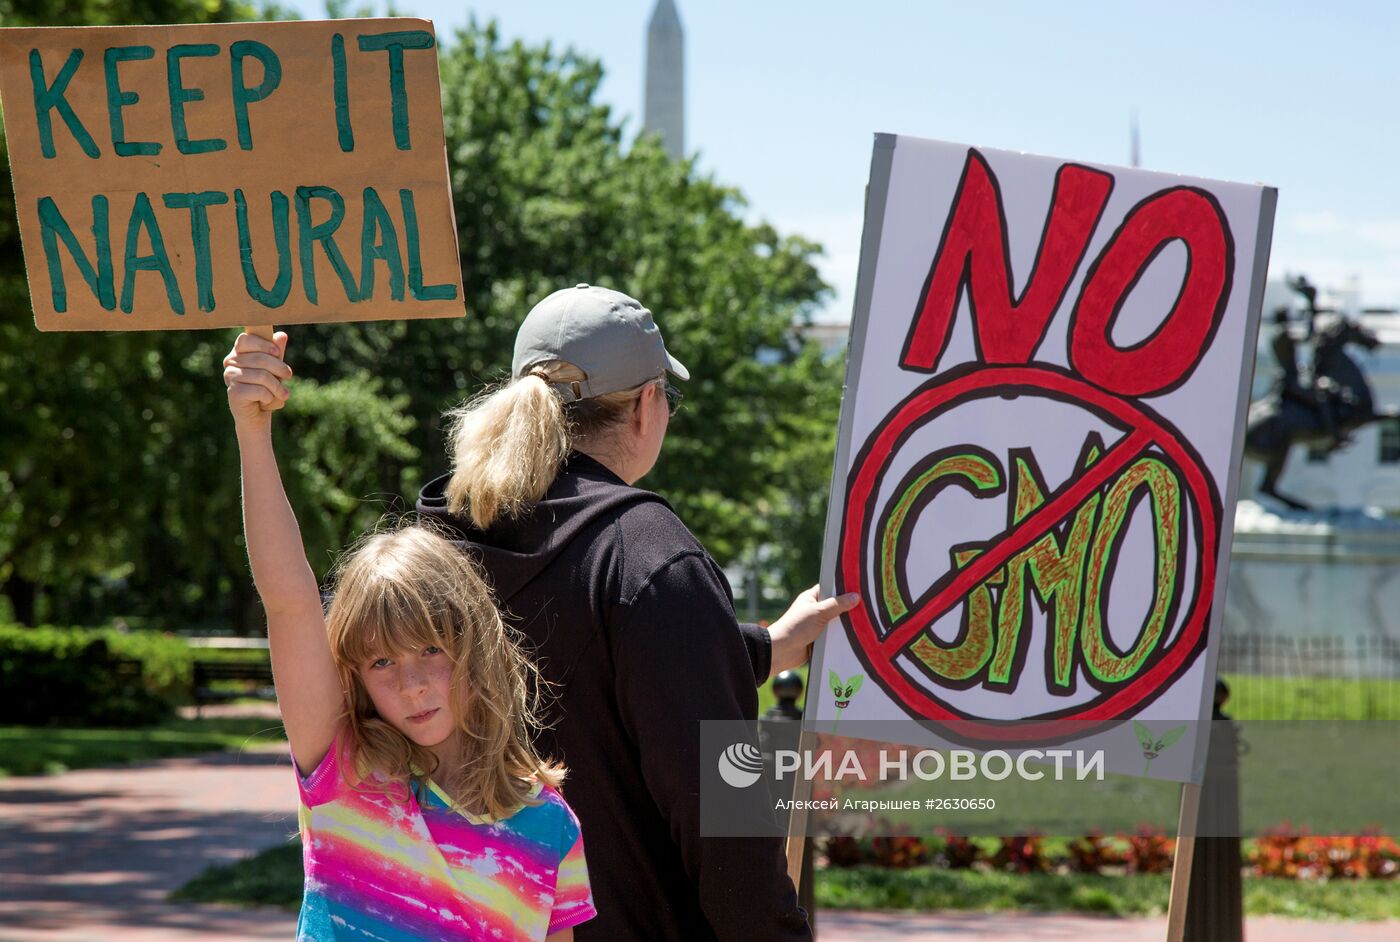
(1106, 664)
(53, 227)
(969, 655)
(1066, 569)
(117, 99)
(198, 205)
(1056, 571)
(179, 95)
(340, 90)
(243, 96)
(144, 218)
(324, 233)
(395, 43)
(379, 240)
(981, 473)
(420, 292)
(51, 97)
(277, 295)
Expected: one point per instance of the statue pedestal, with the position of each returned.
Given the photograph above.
(1313, 574)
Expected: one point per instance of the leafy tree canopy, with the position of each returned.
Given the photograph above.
(118, 482)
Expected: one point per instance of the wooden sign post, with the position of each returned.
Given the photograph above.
(1038, 457)
(1183, 860)
(181, 177)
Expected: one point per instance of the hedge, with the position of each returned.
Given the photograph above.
(90, 676)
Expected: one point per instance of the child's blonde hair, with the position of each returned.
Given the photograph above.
(509, 441)
(408, 589)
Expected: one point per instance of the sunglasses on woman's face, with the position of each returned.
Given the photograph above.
(673, 396)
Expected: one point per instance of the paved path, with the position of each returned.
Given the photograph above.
(91, 855)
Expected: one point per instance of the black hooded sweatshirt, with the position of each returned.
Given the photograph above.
(632, 624)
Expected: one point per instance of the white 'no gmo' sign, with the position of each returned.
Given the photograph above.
(1038, 455)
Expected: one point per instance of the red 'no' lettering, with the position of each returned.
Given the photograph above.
(973, 256)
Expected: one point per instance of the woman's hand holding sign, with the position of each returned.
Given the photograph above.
(255, 374)
(802, 624)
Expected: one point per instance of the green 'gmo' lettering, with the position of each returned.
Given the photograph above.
(1066, 570)
(979, 471)
(1164, 489)
(1056, 569)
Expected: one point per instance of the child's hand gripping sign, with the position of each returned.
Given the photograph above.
(176, 177)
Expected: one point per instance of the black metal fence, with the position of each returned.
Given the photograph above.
(1314, 678)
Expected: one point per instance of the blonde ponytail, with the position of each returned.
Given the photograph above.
(507, 445)
(509, 442)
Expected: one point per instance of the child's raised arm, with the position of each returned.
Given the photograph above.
(308, 686)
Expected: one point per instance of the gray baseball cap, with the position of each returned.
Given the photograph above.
(608, 335)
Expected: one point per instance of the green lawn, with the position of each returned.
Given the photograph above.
(41, 751)
(271, 878)
(1289, 773)
(1312, 698)
(31, 751)
(1276, 698)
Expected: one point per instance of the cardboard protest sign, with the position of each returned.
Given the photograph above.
(177, 177)
(1039, 450)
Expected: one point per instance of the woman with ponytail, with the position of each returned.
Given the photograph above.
(630, 622)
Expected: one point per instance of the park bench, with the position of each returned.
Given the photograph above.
(216, 681)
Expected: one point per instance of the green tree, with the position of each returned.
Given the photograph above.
(72, 442)
(119, 476)
(122, 12)
(546, 195)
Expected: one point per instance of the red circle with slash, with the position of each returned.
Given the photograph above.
(879, 648)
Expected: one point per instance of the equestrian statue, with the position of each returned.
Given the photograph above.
(1319, 409)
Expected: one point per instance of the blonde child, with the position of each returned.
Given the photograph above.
(425, 811)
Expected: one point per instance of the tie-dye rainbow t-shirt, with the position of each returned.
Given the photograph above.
(384, 868)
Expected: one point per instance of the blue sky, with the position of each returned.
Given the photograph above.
(783, 98)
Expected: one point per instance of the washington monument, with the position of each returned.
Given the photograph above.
(664, 102)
